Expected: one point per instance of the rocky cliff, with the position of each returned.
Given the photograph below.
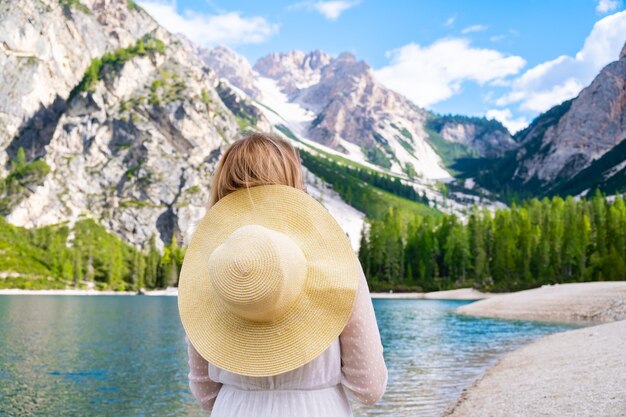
(487, 138)
(134, 147)
(575, 142)
(337, 102)
(293, 70)
(45, 47)
(231, 66)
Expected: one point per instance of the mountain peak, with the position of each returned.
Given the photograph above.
(348, 64)
(277, 61)
(564, 145)
(346, 57)
(316, 58)
(232, 66)
(295, 69)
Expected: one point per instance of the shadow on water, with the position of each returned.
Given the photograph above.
(126, 356)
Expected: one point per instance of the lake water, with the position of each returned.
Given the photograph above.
(126, 355)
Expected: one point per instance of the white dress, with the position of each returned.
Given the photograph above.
(352, 366)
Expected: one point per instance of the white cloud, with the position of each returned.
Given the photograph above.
(228, 28)
(562, 78)
(474, 28)
(605, 6)
(428, 75)
(505, 117)
(450, 21)
(543, 100)
(331, 10)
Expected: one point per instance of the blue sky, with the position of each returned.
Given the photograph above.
(508, 60)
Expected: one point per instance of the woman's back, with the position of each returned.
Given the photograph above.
(352, 366)
(313, 389)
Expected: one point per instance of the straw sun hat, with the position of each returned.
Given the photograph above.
(268, 281)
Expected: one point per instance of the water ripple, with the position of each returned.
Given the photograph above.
(126, 356)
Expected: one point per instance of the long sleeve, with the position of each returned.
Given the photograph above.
(363, 369)
(202, 387)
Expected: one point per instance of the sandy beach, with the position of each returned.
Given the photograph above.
(591, 302)
(398, 295)
(577, 373)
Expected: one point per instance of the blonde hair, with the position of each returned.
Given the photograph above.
(257, 159)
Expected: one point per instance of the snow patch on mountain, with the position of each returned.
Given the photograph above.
(355, 153)
(278, 102)
(617, 168)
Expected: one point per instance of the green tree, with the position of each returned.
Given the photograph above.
(152, 264)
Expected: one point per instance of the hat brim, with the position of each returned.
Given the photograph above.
(318, 315)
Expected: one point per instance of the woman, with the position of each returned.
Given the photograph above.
(255, 351)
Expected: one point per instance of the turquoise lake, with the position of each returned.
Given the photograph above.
(125, 355)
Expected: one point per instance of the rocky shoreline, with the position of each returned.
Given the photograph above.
(460, 294)
(580, 372)
(576, 373)
(17, 291)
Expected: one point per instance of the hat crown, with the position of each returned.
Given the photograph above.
(258, 273)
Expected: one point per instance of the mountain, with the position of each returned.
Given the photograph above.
(133, 144)
(107, 116)
(573, 147)
(336, 102)
(343, 107)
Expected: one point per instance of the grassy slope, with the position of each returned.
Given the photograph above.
(371, 200)
(449, 152)
(331, 156)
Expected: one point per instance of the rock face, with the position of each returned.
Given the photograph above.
(45, 49)
(135, 150)
(132, 144)
(351, 106)
(231, 66)
(576, 136)
(293, 70)
(487, 138)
